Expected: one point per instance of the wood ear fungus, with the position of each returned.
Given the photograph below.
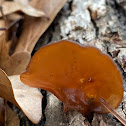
(78, 75)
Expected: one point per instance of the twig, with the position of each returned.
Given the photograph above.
(112, 111)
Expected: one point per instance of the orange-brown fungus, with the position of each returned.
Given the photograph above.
(78, 75)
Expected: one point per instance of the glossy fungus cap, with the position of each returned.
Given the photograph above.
(78, 75)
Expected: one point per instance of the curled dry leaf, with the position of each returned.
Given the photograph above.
(27, 98)
(11, 7)
(34, 28)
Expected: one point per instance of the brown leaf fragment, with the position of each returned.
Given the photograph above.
(11, 7)
(34, 28)
(27, 98)
(115, 38)
(11, 117)
(115, 53)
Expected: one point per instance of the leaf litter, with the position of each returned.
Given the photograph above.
(21, 25)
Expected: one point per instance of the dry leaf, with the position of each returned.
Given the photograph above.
(23, 1)
(6, 91)
(27, 98)
(11, 7)
(14, 17)
(13, 90)
(1, 1)
(14, 64)
(34, 28)
(18, 62)
(11, 117)
(2, 24)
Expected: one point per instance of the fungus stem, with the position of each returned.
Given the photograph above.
(112, 111)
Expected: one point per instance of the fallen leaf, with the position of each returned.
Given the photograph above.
(33, 28)
(2, 24)
(11, 7)
(22, 1)
(1, 1)
(6, 90)
(12, 89)
(14, 17)
(27, 98)
(11, 117)
(15, 64)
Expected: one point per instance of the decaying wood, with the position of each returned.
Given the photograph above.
(55, 107)
(79, 26)
(111, 32)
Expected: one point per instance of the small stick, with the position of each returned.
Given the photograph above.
(112, 111)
